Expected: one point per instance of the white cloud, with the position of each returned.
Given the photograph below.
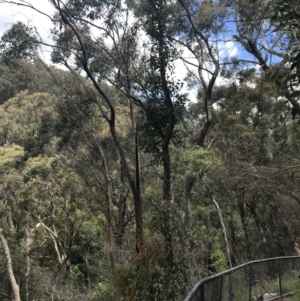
(228, 49)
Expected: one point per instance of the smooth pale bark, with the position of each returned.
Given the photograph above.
(108, 211)
(227, 245)
(12, 279)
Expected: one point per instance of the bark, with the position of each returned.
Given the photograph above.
(108, 211)
(28, 261)
(13, 282)
(122, 223)
(139, 204)
(88, 279)
(243, 213)
(189, 183)
(110, 233)
(253, 211)
(232, 236)
(167, 197)
(167, 191)
(227, 245)
(119, 233)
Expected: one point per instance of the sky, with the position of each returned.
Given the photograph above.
(10, 14)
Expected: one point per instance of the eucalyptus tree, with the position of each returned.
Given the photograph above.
(286, 17)
(37, 199)
(10, 157)
(253, 135)
(198, 29)
(261, 33)
(75, 48)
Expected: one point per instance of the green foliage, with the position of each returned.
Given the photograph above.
(286, 14)
(218, 261)
(11, 156)
(152, 277)
(198, 161)
(6, 90)
(28, 121)
(155, 119)
(19, 42)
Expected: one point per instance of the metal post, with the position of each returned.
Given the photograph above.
(202, 292)
(250, 281)
(230, 287)
(211, 288)
(279, 278)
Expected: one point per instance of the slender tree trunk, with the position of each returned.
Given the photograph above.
(135, 193)
(13, 282)
(110, 232)
(119, 234)
(139, 207)
(108, 211)
(252, 208)
(227, 245)
(232, 236)
(242, 211)
(189, 183)
(167, 191)
(28, 261)
(167, 197)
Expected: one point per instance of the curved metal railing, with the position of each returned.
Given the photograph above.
(266, 279)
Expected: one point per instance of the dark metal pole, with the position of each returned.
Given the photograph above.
(230, 287)
(279, 278)
(202, 293)
(250, 281)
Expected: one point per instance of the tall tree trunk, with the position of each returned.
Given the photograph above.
(227, 245)
(243, 213)
(139, 205)
(110, 232)
(166, 139)
(189, 183)
(108, 211)
(253, 211)
(135, 193)
(167, 197)
(13, 282)
(232, 236)
(119, 233)
(28, 261)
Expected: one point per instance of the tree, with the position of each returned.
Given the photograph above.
(287, 18)
(263, 38)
